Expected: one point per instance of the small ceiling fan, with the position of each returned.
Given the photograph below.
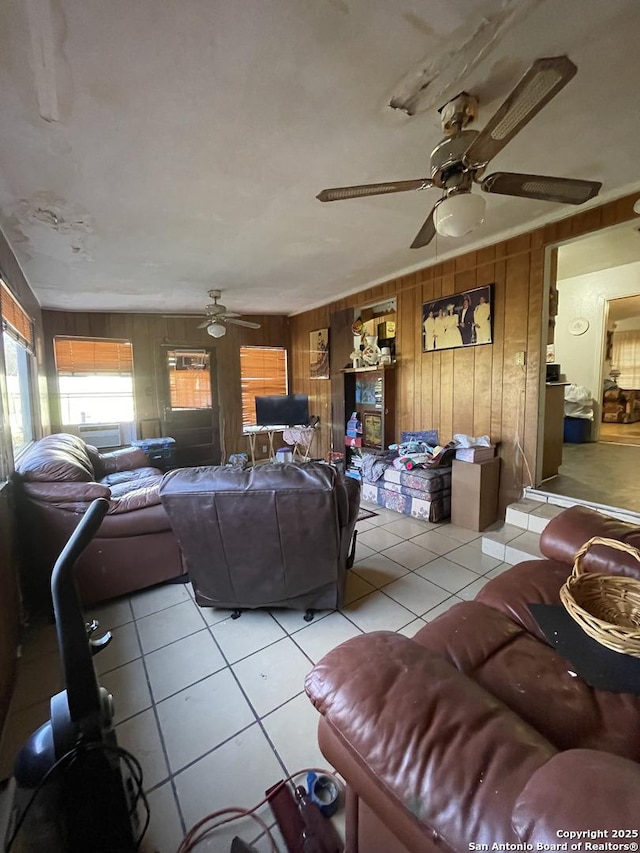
(460, 159)
(217, 317)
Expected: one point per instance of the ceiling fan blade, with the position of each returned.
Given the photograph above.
(245, 323)
(540, 84)
(206, 323)
(226, 314)
(563, 190)
(340, 193)
(428, 231)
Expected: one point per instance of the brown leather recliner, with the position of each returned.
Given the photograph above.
(476, 731)
(57, 479)
(276, 535)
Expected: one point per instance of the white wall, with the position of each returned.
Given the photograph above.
(584, 296)
(628, 325)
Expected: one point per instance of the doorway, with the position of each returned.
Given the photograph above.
(620, 422)
(598, 286)
(190, 411)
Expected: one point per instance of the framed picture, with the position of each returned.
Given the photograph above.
(372, 429)
(319, 354)
(460, 320)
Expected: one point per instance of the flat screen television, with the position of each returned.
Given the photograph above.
(282, 410)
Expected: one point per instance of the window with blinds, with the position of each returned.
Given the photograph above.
(89, 357)
(15, 320)
(263, 371)
(95, 380)
(189, 379)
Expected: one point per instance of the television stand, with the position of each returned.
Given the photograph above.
(252, 433)
(298, 436)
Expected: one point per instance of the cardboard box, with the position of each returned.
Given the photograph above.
(476, 454)
(474, 493)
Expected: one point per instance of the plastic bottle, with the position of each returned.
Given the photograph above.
(354, 426)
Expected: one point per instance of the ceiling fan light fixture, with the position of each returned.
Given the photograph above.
(216, 330)
(459, 214)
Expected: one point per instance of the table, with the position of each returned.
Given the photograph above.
(298, 436)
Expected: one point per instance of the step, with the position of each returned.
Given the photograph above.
(564, 502)
(523, 547)
(511, 544)
(531, 515)
(496, 537)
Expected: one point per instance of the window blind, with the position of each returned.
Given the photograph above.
(15, 320)
(263, 371)
(190, 389)
(626, 358)
(90, 357)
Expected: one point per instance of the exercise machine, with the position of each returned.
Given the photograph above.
(76, 789)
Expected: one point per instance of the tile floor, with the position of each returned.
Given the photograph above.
(214, 708)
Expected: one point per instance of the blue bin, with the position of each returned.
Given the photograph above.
(160, 451)
(577, 430)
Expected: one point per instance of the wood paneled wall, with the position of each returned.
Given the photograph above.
(148, 333)
(477, 390)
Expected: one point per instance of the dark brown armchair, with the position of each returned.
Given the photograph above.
(477, 732)
(277, 535)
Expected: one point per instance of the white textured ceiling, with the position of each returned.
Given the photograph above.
(152, 150)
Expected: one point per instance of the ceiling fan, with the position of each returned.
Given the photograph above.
(217, 317)
(461, 157)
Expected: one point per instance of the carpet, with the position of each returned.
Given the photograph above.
(365, 513)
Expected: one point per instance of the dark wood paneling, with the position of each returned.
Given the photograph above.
(340, 347)
(480, 390)
(148, 333)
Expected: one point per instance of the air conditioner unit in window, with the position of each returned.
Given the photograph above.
(101, 435)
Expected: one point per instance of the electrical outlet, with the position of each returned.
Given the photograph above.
(264, 448)
(521, 357)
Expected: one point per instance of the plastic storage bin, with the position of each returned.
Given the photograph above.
(284, 454)
(576, 430)
(161, 452)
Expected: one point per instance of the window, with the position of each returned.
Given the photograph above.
(189, 379)
(95, 380)
(626, 358)
(263, 371)
(17, 337)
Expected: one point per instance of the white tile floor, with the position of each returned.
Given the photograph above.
(214, 708)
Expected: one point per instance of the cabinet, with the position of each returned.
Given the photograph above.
(371, 392)
(553, 428)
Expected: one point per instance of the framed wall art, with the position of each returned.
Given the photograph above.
(372, 429)
(319, 354)
(459, 320)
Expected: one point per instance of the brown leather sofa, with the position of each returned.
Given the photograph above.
(275, 535)
(476, 731)
(57, 479)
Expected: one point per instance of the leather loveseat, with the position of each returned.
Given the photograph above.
(274, 535)
(476, 731)
(57, 479)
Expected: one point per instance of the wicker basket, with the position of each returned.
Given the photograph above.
(607, 607)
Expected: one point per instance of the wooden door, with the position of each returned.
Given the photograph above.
(191, 411)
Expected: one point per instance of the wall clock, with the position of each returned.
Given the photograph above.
(578, 326)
